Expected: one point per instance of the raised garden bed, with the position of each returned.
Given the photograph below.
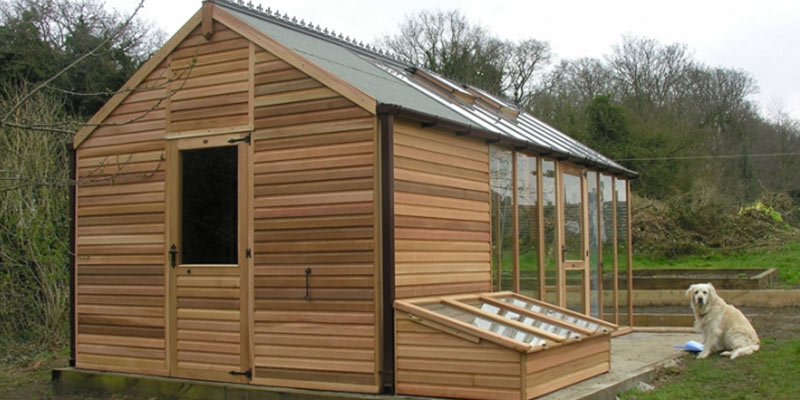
(654, 279)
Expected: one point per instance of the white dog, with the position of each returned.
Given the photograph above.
(723, 326)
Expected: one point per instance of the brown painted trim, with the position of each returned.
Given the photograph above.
(430, 120)
(387, 234)
(73, 167)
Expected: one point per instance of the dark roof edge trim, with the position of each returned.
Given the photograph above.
(429, 120)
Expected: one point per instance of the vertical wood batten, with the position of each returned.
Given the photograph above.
(515, 220)
(629, 229)
(73, 293)
(616, 246)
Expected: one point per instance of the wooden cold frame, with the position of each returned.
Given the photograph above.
(440, 356)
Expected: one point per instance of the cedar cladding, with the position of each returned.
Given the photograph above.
(120, 232)
(442, 215)
(210, 82)
(314, 210)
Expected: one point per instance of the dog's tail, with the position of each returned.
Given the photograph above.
(746, 350)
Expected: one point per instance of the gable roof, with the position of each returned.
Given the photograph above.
(402, 88)
(379, 83)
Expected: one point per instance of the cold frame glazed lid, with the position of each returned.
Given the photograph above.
(505, 318)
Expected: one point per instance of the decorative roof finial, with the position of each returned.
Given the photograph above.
(250, 4)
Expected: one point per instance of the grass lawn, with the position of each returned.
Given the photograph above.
(772, 373)
(785, 258)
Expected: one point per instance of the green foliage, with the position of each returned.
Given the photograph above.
(40, 38)
(768, 211)
(34, 228)
(24, 54)
(700, 224)
(770, 373)
(608, 130)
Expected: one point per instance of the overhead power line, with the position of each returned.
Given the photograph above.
(699, 157)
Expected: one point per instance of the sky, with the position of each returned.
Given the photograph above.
(761, 38)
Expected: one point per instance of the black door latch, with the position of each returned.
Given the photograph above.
(248, 373)
(173, 255)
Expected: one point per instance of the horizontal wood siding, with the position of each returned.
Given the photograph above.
(210, 82)
(553, 369)
(120, 232)
(208, 321)
(314, 209)
(442, 216)
(437, 364)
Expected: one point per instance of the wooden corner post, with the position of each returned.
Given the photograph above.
(208, 20)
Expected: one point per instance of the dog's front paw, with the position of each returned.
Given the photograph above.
(702, 355)
(725, 354)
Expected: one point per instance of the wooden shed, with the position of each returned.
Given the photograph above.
(257, 197)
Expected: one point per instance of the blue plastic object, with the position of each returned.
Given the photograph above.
(691, 346)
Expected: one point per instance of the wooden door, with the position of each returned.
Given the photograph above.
(574, 240)
(209, 258)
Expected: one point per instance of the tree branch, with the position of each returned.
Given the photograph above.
(44, 84)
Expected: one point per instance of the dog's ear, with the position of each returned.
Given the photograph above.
(711, 290)
(689, 291)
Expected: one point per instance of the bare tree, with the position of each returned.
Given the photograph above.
(526, 58)
(445, 42)
(647, 71)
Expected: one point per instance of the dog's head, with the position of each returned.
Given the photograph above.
(701, 294)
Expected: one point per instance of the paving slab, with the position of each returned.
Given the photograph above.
(635, 357)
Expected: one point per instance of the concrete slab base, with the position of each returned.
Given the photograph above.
(635, 357)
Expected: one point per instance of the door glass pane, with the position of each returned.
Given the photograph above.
(595, 272)
(209, 206)
(622, 249)
(502, 224)
(528, 215)
(607, 243)
(573, 239)
(549, 210)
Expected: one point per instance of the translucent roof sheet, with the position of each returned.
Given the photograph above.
(506, 318)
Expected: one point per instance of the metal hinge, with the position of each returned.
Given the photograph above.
(245, 139)
(248, 253)
(248, 373)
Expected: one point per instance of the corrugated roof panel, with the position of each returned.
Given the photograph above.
(390, 81)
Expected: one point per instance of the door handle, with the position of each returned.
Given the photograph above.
(173, 255)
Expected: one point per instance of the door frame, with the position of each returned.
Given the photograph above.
(565, 265)
(245, 264)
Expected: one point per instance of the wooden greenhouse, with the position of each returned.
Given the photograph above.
(268, 203)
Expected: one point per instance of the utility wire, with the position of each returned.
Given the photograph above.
(708, 157)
